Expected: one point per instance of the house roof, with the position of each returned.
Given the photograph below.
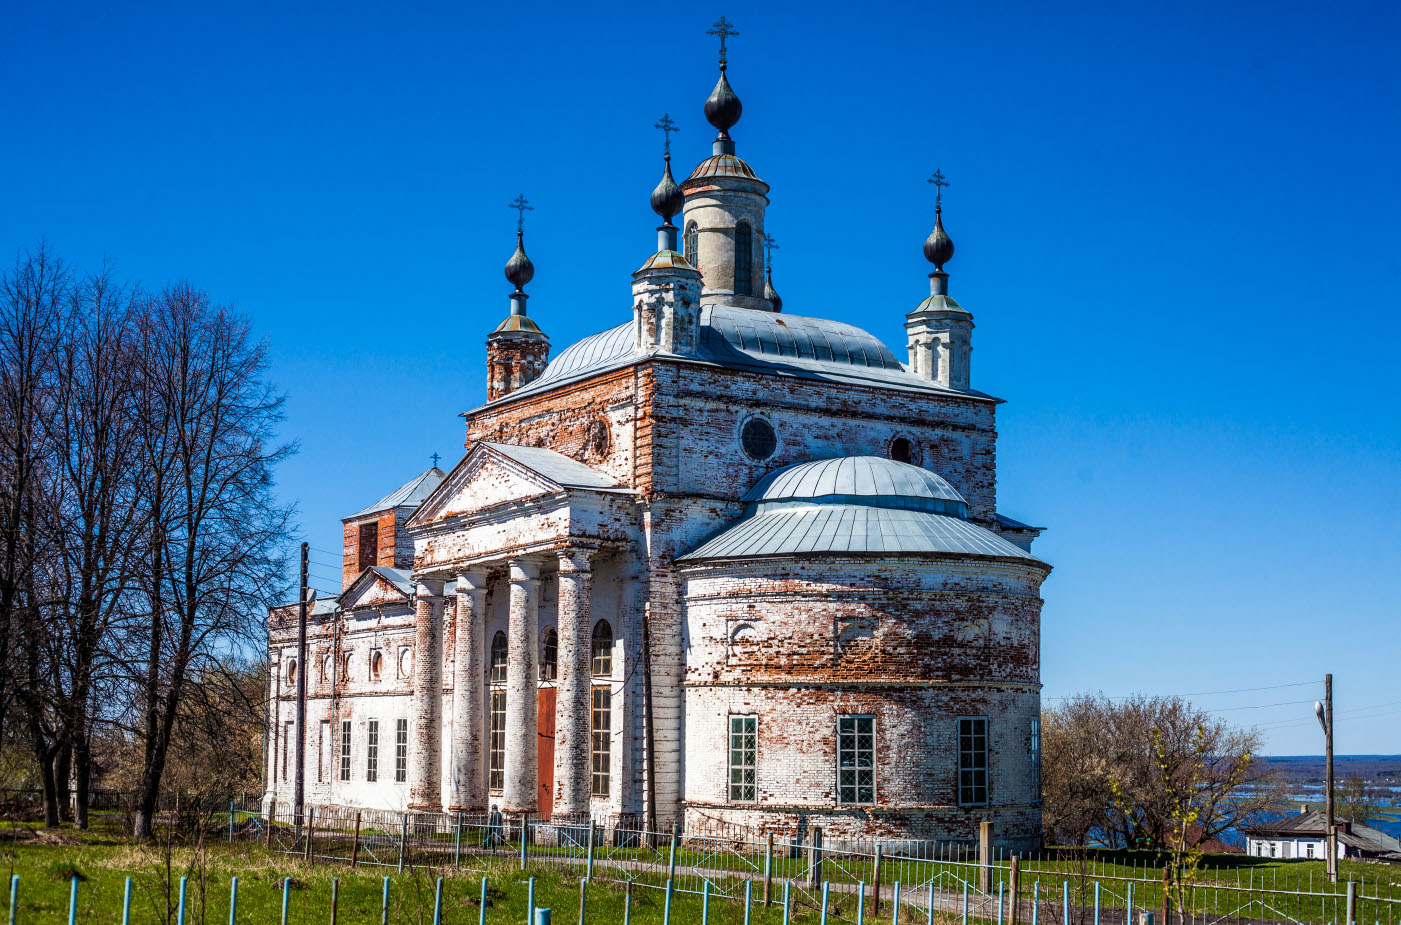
(744, 338)
(1313, 824)
(410, 494)
(564, 471)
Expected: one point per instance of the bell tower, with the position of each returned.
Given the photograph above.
(940, 331)
(517, 351)
(723, 219)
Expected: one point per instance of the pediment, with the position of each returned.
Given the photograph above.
(372, 589)
(484, 479)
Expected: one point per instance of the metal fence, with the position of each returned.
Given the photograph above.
(947, 881)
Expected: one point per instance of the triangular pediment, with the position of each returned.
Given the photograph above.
(374, 587)
(486, 478)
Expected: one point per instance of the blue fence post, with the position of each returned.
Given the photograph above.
(1065, 901)
(14, 896)
(457, 843)
(666, 903)
(583, 898)
(671, 862)
(335, 898)
(438, 903)
(73, 900)
(1096, 902)
(525, 824)
(931, 898)
(705, 903)
(999, 903)
(860, 902)
(233, 900)
(384, 904)
(748, 898)
(627, 904)
(542, 917)
(126, 904)
(481, 916)
(1128, 914)
(1036, 899)
(530, 901)
(588, 866)
(895, 916)
(786, 888)
(179, 914)
(286, 890)
(825, 885)
(965, 903)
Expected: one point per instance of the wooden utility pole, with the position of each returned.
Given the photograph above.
(1331, 838)
(299, 789)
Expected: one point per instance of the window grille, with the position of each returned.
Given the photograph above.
(549, 656)
(758, 439)
(744, 754)
(692, 245)
(744, 260)
(601, 740)
(401, 750)
(496, 745)
(856, 759)
(1036, 758)
(601, 650)
(972, 761)
(372, 751)
(345, 749)
(498, 658)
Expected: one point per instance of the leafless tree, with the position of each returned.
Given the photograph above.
(214, 534)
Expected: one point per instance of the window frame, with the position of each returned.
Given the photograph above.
(372, 751)
(323, 738)
(401, 750)
(346, 747)
(855, 787)
(1035, 747)
(690, 244)
(972, 788)
(496, 740)
(600, 740)
(747, 792)
(549, 655)
(744, 258)
(601, 656)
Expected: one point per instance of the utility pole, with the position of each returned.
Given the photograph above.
(1332, 842)
(298, 793)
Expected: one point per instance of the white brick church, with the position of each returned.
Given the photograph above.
(717, 562)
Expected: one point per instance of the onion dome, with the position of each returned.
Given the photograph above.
(938, 247)
(723, 108)
(667, 198)
(771, 293)
(519, 269)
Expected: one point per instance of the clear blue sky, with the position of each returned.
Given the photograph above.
(1176, 227)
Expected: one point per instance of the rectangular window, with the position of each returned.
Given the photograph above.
(972, 760)
(744, 754)
(372, 751)
(345, 749)
(602, 740)
(1036, 758)
(856, 759)
(496, 745)
(369, 544)
(323, 738)
(401, 750)
(286, 746)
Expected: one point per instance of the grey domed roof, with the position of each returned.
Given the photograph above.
(866, 477)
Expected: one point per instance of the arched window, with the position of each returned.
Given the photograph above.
(602, 650)
(744, 259)
(901, 450)
(376, 664)
(497, 666)
(549, 656)
(692, 245)
(292, 671)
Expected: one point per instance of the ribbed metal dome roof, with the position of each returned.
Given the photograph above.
(724, 165)
(852, 477)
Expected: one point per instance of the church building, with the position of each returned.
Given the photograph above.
(719, 562)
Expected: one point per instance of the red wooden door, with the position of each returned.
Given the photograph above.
(545, 752)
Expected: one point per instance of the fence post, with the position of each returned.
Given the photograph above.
(584, 891)
(825, 886)
(748, 899)
(272, 818)
(310, 821)
(524, 825)
(895, 906)
(815, 857)
(1065, 902)
(931, 898)
(1352, 902)
(671, 864)
(1014, 881)
(875, 885)
(335, 898)
(179, 914)
(985, 856)
(768, 869)
(73, 900)
(1096, 902)
(481, 915)
(403, 843)
(14, 895)
(126, 903)
(457, 842)
(588, 865)
(787, 891)
(438, 903)
(1036, 901)
(666, 903)
(860, 902)
(355, 844)
(233, 902)
(530, 899)
(965, 903)
(705, 904)
(286, 892)
(627, 904)
(542, 917)
(1128, 900)
(384, 904)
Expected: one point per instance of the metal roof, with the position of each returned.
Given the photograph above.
(745, 338)
(1313, 824)
(410, 494)
(860, 476)
(558, 468)
(856, 529)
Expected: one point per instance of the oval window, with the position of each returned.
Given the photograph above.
(901, 450)
(376, 664)
(758, 439)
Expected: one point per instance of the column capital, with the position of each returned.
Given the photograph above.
(576, 559)
(429, 587)
(524, 570)
(472, 579)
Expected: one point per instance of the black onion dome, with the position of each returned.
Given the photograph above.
(770, 292)
(723, 108)
(667, 198)
(938, 247)
(519, 269)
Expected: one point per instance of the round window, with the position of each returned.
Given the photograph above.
(758, 439)
(901, 450)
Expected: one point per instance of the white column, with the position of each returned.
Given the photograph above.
(425, 774)
(468, 782)
(573, 704)
(522, 761)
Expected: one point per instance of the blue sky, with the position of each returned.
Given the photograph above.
(1176, 227)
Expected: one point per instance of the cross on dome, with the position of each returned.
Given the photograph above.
(939, 183)
(435, 457)
(770, 245)
(723, 29)
(522, 206)
(667, 125)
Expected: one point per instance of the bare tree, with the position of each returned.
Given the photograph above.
(213, 541)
